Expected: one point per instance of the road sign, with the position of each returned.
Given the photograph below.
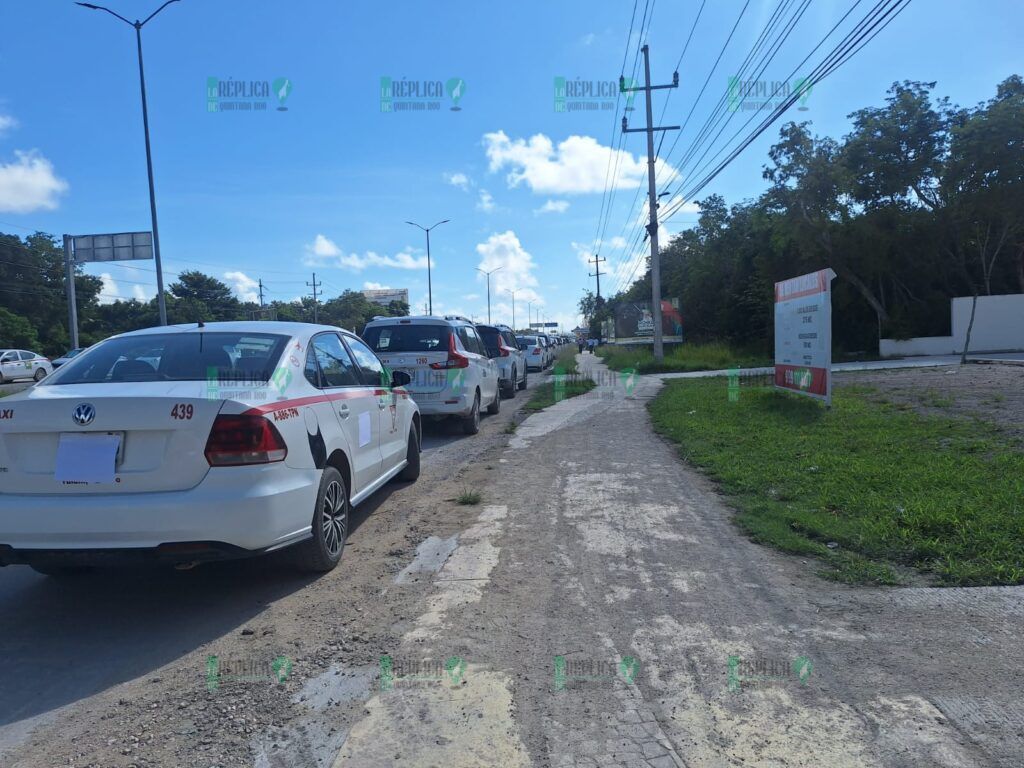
(543, 325)
(803, 335)
(122, 246)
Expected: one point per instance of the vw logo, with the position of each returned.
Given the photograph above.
(84, 414)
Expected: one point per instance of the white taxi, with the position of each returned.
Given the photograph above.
(190, 443)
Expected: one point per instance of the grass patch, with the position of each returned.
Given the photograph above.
(469, 497)
(510, 428)
(890, 487)
(684, 357)
(551, 392)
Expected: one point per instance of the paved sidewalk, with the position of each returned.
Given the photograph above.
(609, 613)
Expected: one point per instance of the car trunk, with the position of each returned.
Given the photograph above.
(425, 379)
(158, 429)
(413, 348)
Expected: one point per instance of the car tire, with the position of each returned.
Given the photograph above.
(412, 458)
(471, 423)
(40, 374)
(522, 384)
(509, 390)
(323, 550)
(495, 407)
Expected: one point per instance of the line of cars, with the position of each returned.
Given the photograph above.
(190, 443)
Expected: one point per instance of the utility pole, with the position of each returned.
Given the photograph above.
(596, 261)
(513, 293)
(314, 285)
(652, 195)
(261, 293)
(488, 289)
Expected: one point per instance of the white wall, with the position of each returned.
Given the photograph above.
(998, 327)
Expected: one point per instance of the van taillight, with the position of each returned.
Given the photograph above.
(455, 358)
(243, 439)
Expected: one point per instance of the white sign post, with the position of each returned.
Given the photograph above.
(803, 335)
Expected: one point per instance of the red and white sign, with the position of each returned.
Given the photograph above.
(803, 334)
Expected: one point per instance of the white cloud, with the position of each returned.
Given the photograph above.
(459, 180)
(109, 291)
(552, 206)
(369, 285)
(359, 262)
(139, 293)
(577, 165)
(505, 251)
(244, 286)
(323, 247)
(29, 184)
(588, 39)
(471, 296)
(486, 202)
(324, 252)
(6, 123)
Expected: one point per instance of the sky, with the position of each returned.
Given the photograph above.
(248, 190)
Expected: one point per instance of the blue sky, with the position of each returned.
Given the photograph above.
(327, 184)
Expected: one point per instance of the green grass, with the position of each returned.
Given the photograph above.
(551, 392)
(469, 497)
(684, 357)
(893, 489)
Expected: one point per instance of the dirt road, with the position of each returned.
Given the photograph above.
(597, 608)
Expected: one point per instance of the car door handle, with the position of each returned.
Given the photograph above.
(343, 411)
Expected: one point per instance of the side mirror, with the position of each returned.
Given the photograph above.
(400, 378)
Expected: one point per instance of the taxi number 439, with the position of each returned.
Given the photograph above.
(182, 411)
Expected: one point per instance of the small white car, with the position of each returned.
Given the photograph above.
(500, 342)
(451, 372)
(190, 443)
(535, 352)
(21, 364)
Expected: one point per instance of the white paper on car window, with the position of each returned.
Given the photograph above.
(87, 458)
(365, 431)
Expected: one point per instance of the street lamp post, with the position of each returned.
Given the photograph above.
(138, 25)
(488, 289)
(513, 294)
(430, 293)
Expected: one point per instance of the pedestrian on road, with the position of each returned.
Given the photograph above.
(580, 344)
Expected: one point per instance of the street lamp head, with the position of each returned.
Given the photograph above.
(90, 6)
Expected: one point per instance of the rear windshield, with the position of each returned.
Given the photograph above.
(408, 338)
(526, 341)
(241, 357)
(491, 338)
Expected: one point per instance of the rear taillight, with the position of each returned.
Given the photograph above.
(236, 440)
(455, 358)
(536, 351)
(505, 351)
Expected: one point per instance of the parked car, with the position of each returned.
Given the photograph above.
(533, 349)
(185, 444)
(452, 374)
(549, 349)
(501, 345)
(58, 362)
(20, 364)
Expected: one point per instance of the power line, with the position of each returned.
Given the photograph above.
(883, 13)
